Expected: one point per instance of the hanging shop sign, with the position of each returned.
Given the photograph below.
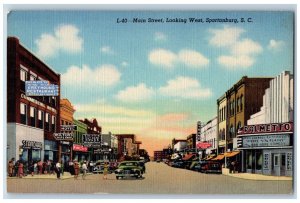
(79, 148)
(68, 127)
(91, 140)
(63, 136)
(266, 128)
(203, 145)
(27, 144)
(278, 140)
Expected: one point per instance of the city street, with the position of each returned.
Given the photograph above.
(159, 179)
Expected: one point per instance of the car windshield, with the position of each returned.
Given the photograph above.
(128, 164)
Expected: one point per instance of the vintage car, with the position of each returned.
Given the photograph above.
(129, 169)
(211, 167)
(142, 165)
(99, 167)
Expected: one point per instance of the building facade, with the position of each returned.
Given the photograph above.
(191, 142)
(222, 125)
(208, 137)
(271, 157)
(111, 146)
(80, 152)
(180, 146)
(65, 148)
(93, 128)
(243, 99)
(158, 155)
(31, 120)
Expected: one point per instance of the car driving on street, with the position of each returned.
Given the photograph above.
(128, 169)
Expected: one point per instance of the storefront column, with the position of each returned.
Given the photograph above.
(59, 151)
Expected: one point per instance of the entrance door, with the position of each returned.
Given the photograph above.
(276, 164)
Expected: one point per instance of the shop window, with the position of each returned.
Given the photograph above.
(23, 113)
(41, 119)
(33, 116)
(283, 159)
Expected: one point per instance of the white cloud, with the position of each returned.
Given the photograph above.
(192, 58)
(106, 50)
(234, 62)
(124, 63)
(159, 36)
(225, 37)
(135, 93)
(275, 45)
(242, 51)
(168, 59)
(162, 57)
(105, 75)
(185, 87)
(65, 38)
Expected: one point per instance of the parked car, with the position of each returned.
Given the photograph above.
(99, 167)
(177, 164)
(129, 169)
(158, 160)
(211, 167)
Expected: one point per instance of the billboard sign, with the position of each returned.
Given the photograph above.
(40, 88)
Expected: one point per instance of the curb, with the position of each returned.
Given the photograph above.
(261, 178)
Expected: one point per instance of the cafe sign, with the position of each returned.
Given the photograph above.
(79, 148)
(280, 140)
(203, 145)
(27, 144)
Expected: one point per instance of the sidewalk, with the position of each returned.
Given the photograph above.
(250, 176)
(66, 175)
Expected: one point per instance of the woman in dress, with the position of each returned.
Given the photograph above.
(105, 171)
(76, 169)
(10, 168)
(20, 170)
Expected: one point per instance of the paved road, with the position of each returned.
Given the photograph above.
(159, 179)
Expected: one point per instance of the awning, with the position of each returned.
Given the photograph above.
(188, 157)
(219, 157)
(231, 154)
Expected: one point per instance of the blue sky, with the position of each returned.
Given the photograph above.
(153, 79)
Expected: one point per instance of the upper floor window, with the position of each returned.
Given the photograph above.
(33, 116)
(241, 102)
(23, 113)
(41, 119)
(23, 75)
(53, 123)
(32, 77)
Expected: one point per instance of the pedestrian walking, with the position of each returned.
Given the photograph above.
(76, 169)
(35, 168)
(57, 170)
(31, 168)
(10, 168)
(40, 167)
(20, 169)
(84, 170)
(105, 170)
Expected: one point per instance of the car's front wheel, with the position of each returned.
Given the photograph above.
(118, 177)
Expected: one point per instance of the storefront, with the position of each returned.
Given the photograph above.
(80, 153)
(30, 151)
(51, 150)
(267, 149)
(66, 151)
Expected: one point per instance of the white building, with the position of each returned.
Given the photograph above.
(270, 152)
(180, 145)
(277, 102)
(209, 135)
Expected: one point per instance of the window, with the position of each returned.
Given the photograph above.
(241, 103)
(33, 116)
(41, 119)
(233, 107)
(239, 125)
(23, 75)
(238, 104)
(231, 131)
(47, 127)
(23, 113)
(53, 123)
(32, 77)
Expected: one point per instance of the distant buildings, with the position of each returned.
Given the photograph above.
(209, 135)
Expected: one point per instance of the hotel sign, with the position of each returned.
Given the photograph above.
(68, 127)
(266, 128)
(278, 140)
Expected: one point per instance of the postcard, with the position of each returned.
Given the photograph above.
(150, 102)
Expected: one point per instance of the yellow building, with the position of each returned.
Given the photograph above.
(66, 118)
(222, 115)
